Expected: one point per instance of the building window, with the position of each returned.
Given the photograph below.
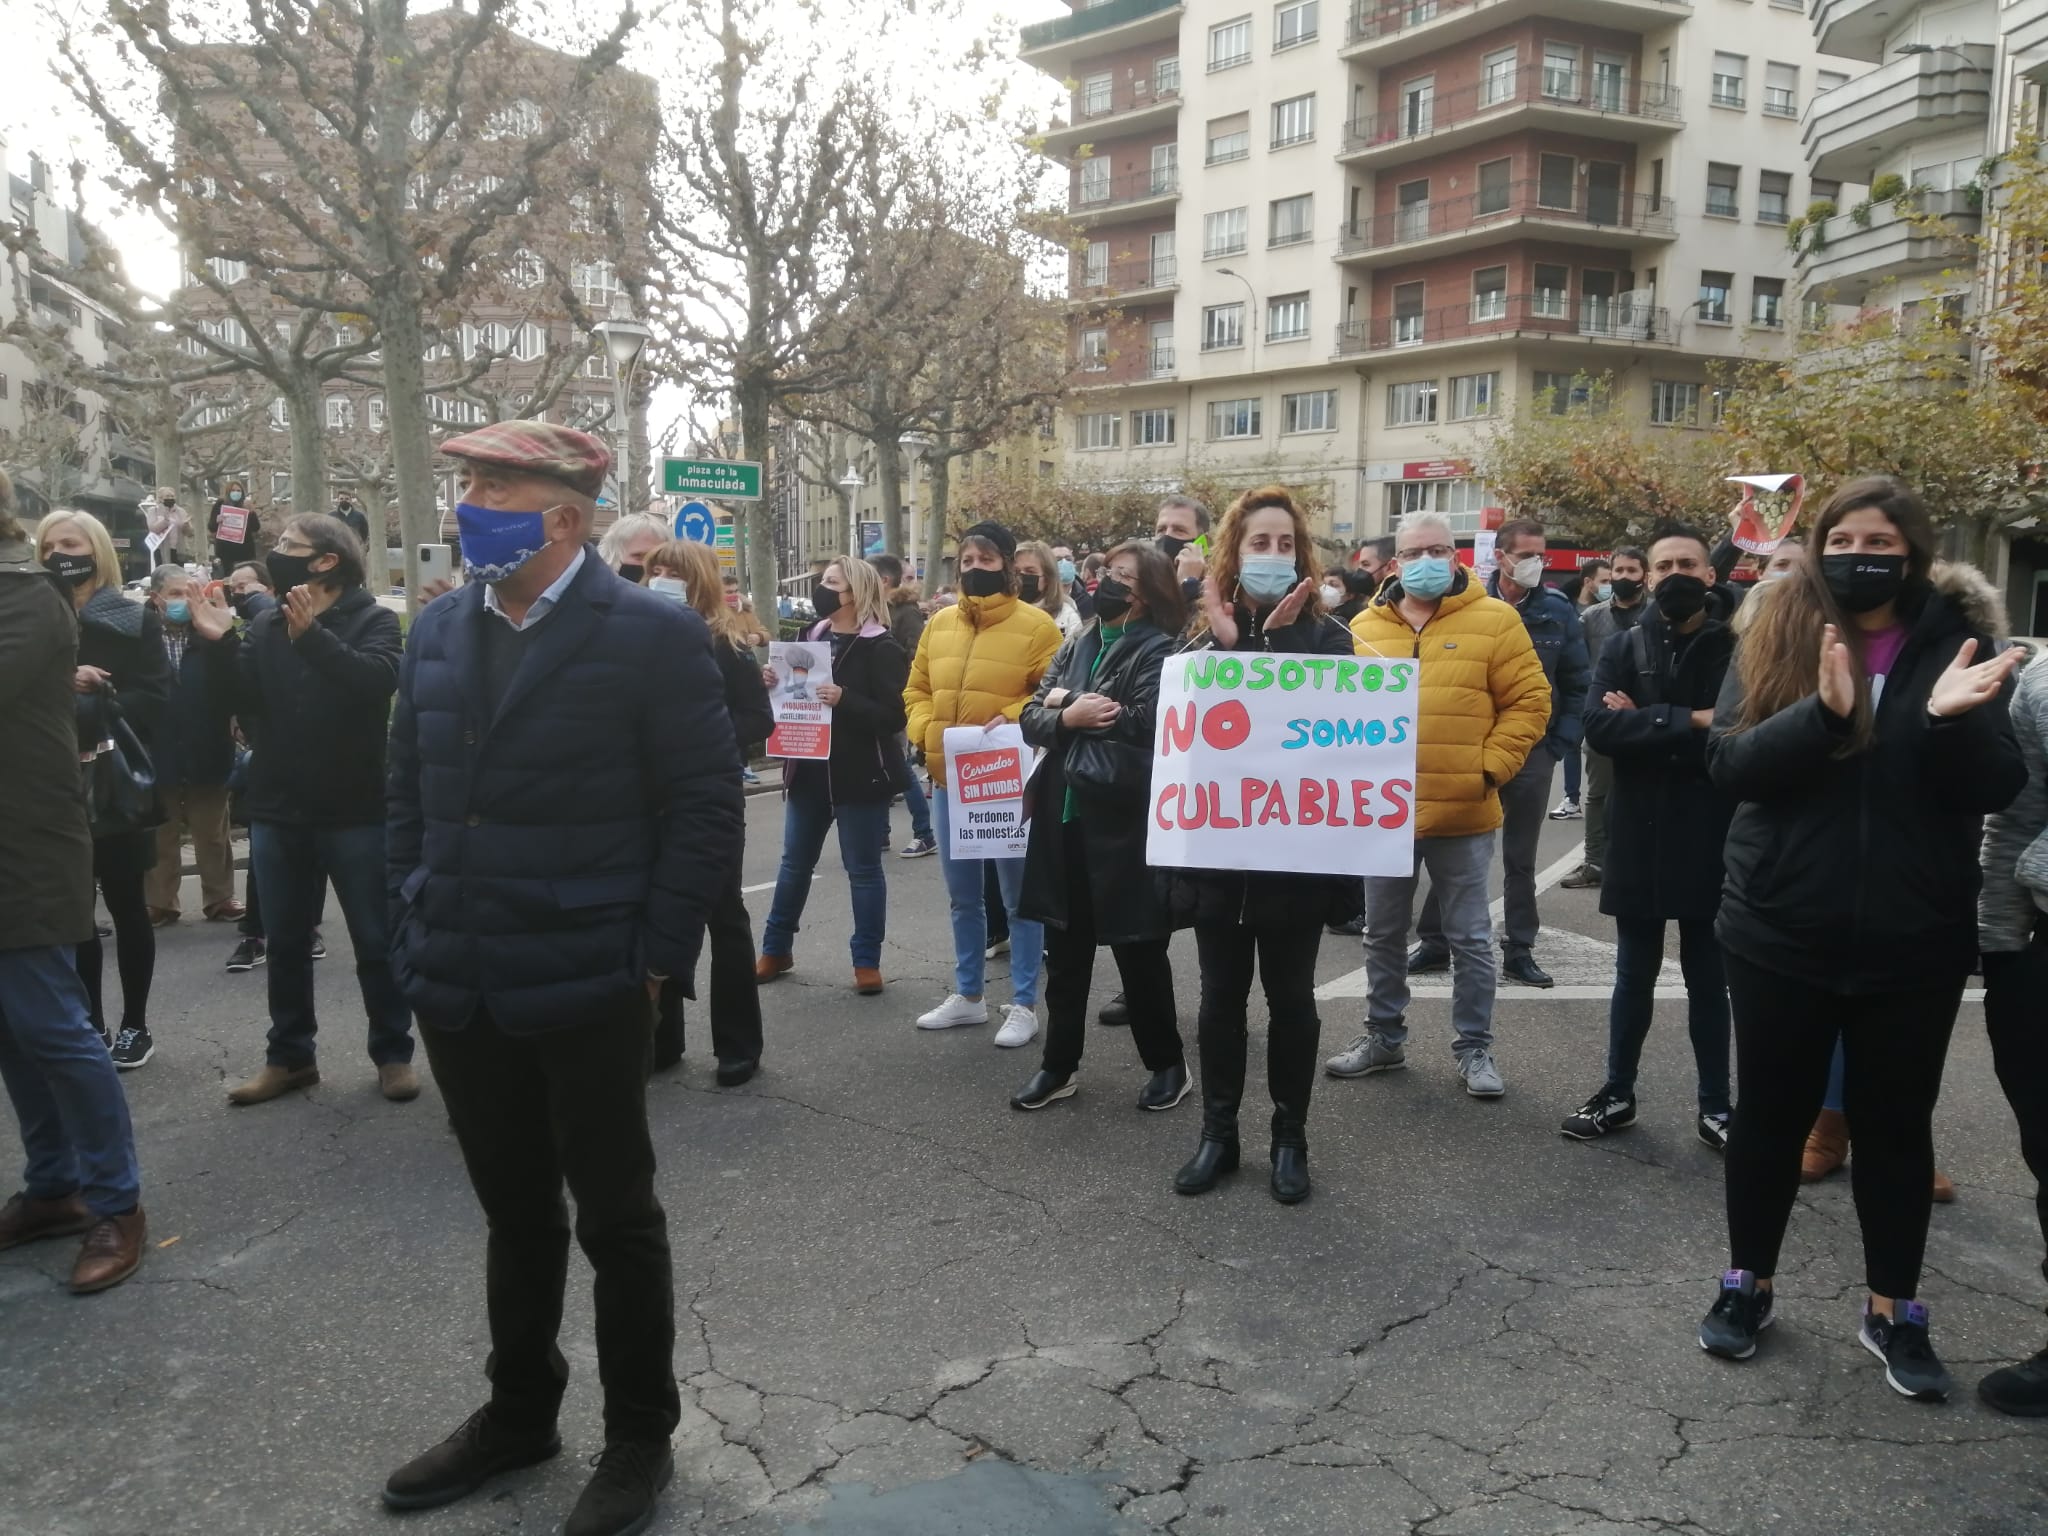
(1289, 220)
(1561, 71)
(3, 386)
(1474, 395)
(1493, 185)
(1294, 23)
(1556, 184)
(1773, 197)
(1097, 429)
(1224, 233)
(1497, 78)
(1096, 94)
(376, 413)
(1561, 393)
(1408, 321)
(1781, 90)
(1094, 350)
(1166, 77)
(1827, 80)
(1724, 194)
(1313, 410)
(1152, 429)
(1287, 317)
(1673, 404)
(1294, 120)
(226, 270)
(1236, 418)
(1230, 138)
(1460, 501)
(341, 413)
(1095, 180)
(1767, 302)
(1095, 269)
(280, 414)
(1552, 297)
(280, 486)
(1731, 79)
(1490, 293)
(1230, 44)
(1827, 191)
(1222, 327)
(1714, 290)
(1411, 405)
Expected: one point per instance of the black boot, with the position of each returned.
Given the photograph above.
(1213, 1158)
(1290, 1174)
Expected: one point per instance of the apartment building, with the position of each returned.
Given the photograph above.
(1330, 243)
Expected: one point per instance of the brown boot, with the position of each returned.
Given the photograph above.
(1944, 1188)
(273, 1082)
(867, 981)
(768, 967)
(398, 1082)
(1827, 1146)
(111, 1252)
(27, 1220)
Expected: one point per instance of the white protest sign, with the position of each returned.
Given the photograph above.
(803, 721)
(1485, 554)
(986, 770)
(153, 542)
(1269, 762)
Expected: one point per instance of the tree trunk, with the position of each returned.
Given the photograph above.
(309, 454)
(757, 572)
(405, 419)
(634, 497)
(889, 464)
(938, 520)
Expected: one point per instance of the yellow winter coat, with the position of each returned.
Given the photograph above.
(1484, 701)
(978, 660)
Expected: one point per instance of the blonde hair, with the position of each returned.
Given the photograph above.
(1052, 592)
(697, 568)
(106, 563)
(864, 587)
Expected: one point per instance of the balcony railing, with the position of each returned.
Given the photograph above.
(1120, 277)
(1517, 88)
(1096, 18)
(1372, 19)
(1580, 204)
(1094, 195)
(1125, 96)
(1487, 316)
(1161, 361)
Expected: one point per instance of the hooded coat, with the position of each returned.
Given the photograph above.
(2015, 904)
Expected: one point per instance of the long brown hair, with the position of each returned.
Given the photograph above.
(1779, 655)
(1223, 544)
(1158, 588)
(697, 568)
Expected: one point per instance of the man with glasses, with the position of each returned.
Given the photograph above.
(1482, 707)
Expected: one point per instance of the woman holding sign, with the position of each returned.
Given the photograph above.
(1261, 595)
(1085, 875)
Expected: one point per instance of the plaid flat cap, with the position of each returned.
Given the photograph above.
(538, 448)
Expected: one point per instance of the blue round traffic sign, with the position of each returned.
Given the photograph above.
(697, 523)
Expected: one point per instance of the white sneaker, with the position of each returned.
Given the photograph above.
(953, 1012)
(1567, 810)
(1020, 1026)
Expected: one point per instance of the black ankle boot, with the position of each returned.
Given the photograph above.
(1290, 1174)
(1213, 1158)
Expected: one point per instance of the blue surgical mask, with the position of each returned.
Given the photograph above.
(178, 611)
(495, 544)
(1066, 573)
(1604, 593)
(1268, 577)
(1426, 576)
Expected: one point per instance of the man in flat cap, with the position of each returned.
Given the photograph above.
(565, 804)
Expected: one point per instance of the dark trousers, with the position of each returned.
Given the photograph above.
(992, 902)
(735, 994)
(1146, 973)
(2016, 1015)
(1638, 960)
(121, 864)
(1893, 1048)
(1285, 962)
(533, 1111)
(251, 925)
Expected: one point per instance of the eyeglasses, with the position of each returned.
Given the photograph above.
(1128, 577)
(1432, 552)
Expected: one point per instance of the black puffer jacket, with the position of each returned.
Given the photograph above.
(1860, 874)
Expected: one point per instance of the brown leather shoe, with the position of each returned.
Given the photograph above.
(1827, 1146)
(1944, 1188)
(27, 1220)
(398, 1082)
(273, 1082)
(867, 981)
(111, 1252)
(226, 912)
(768, 967)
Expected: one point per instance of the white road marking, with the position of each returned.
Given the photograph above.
(765, 885)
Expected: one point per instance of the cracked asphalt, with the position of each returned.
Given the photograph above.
(905, 1308)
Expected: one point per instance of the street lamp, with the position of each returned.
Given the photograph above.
(851, 483)
(1908, 50)
(624, 337)
(1251, 319)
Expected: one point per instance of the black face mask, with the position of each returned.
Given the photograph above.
(1679, 597)
(1027, 588)
(1112, 600)
(1169, 546)
(824, 601)
(978, 583)
(1863, 582)
(1626, 590)
(72, 570)
(288, 571)
(636, 574)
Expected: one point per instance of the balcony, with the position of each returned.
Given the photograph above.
(1160, 361)
(1583, 215)
(1121, 199)
(1854, 29)
(2025, 25)
(1388, 31)
(1850, 262)
(1054, 46)
(1567, 102)
(1496, 317)
(1140, 279)
(1854, 126)
(1132, 106)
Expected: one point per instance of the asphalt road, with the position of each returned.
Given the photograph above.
(906, 1309)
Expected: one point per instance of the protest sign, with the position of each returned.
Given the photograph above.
(1269, 762)
(803, 721)
(231, 527)
(1761, 525)
(986, 770)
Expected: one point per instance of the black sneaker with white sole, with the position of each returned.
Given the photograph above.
(1600, 1114)
(319, 947)
(1739, 1314)
(1712, 1130)
(247, 956)
(1911, 1368)
(132, 1047)
(1045, 1088)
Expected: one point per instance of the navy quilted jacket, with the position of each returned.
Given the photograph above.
(546, 856)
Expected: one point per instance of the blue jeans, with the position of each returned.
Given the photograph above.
(1837, 1071)
(294, 865)
(806, 816)
(66, 1093)
(1638, 957)
(970, 917)
(1457, 868)
(1571, 775)
(913, 794)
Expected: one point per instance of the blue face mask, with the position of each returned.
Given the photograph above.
(1426, 576)
(1268, 577)
(1604, 593)
(1066, 573)
(495, 544)
(178, 611)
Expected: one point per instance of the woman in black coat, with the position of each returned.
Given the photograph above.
(122, 665)
(1864, 738)
(1261, 595)
(1085, 875)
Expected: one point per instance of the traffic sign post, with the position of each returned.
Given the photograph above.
(722, 479)
(696, 522)
(728, 552)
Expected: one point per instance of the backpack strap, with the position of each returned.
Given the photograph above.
(1646, 668)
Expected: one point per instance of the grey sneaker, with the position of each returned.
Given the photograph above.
(1482, 1077)
(1369, 1053)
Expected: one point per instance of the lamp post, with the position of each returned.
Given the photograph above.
(1907, 50)
(624, 337)
(851, 483)
(1251, 319)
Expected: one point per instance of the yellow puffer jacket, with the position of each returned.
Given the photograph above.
(976, 661)
(1484, 701)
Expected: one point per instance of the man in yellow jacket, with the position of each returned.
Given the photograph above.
(1483, 705)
